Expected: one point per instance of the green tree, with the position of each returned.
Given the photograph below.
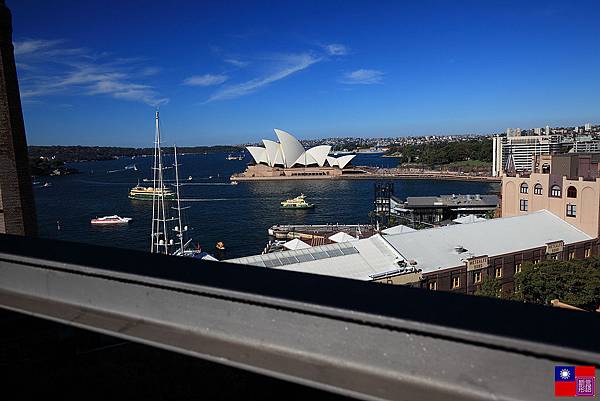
(576, 282)
(490, 287)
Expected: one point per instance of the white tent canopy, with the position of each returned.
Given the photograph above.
(342, 237)
(399, 229)
(471, 218)
(295, 244)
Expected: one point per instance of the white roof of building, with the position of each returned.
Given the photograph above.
(468, 219)
(399, 229)
(289, 152)
(432, 249)
(359, 260)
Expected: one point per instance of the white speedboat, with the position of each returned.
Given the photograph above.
(111, 220)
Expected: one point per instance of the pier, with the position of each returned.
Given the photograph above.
(320, 231)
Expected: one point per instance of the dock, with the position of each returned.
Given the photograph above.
(320, 232)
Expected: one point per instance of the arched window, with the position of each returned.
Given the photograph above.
(537, 189)
(555, 191)
(524, 188)
(571, 192)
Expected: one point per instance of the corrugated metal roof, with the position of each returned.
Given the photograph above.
(434, 248)
(452, 200)
(358, 260)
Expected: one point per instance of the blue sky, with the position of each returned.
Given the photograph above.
(91, 73)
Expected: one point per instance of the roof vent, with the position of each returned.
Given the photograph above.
(460, 249)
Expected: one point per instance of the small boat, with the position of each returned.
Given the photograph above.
(47, 184)
(131, 167)
(234, 182)
(114, 219)
(298, 202)
(190, 178)
(233, 157)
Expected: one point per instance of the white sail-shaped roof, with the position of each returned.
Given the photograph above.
(305, 159)
(292, 148)
(319, 153)
(289, 152)
(259, 154)
(273, 148)
(332, 161)
(342, 161)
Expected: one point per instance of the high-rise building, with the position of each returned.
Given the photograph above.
(523, 148)
(547, 130)
(537, 131)
(588, 127)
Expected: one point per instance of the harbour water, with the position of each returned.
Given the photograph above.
(239, 215)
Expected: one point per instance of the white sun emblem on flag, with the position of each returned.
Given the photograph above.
(565, 374)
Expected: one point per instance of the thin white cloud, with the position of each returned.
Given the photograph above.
(285, 66)
(236, 62)
(363, 77)
(336, 49)
(50, 68)
(34, 45)
(205, 80)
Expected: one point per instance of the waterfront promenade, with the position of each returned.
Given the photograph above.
(374, 173)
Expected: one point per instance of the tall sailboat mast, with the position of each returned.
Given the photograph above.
(160, 238)
(179, 229)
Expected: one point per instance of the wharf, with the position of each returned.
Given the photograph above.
(320, 231)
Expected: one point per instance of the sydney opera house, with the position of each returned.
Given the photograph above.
(288, 159)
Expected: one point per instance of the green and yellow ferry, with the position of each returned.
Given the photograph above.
(298, 202)
(147, 193)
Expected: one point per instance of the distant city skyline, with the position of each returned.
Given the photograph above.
(92, 74)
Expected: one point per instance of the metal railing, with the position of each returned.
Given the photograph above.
(367, 340)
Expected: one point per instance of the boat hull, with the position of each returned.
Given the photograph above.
(309, 206)
(149, 197)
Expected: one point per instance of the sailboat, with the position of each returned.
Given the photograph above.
(161, 239)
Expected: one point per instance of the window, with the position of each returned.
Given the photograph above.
(455, 282)
(524, 188)
(523, 205)
(536, 261)
(571, 255)
(433, 285)
(554, 257)
(571, 210)
(588, 252)
(555, 191)
(518, 268)
(476, 277)
(537, 189)
(498, 272)
(571, 192)
(545, 168)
